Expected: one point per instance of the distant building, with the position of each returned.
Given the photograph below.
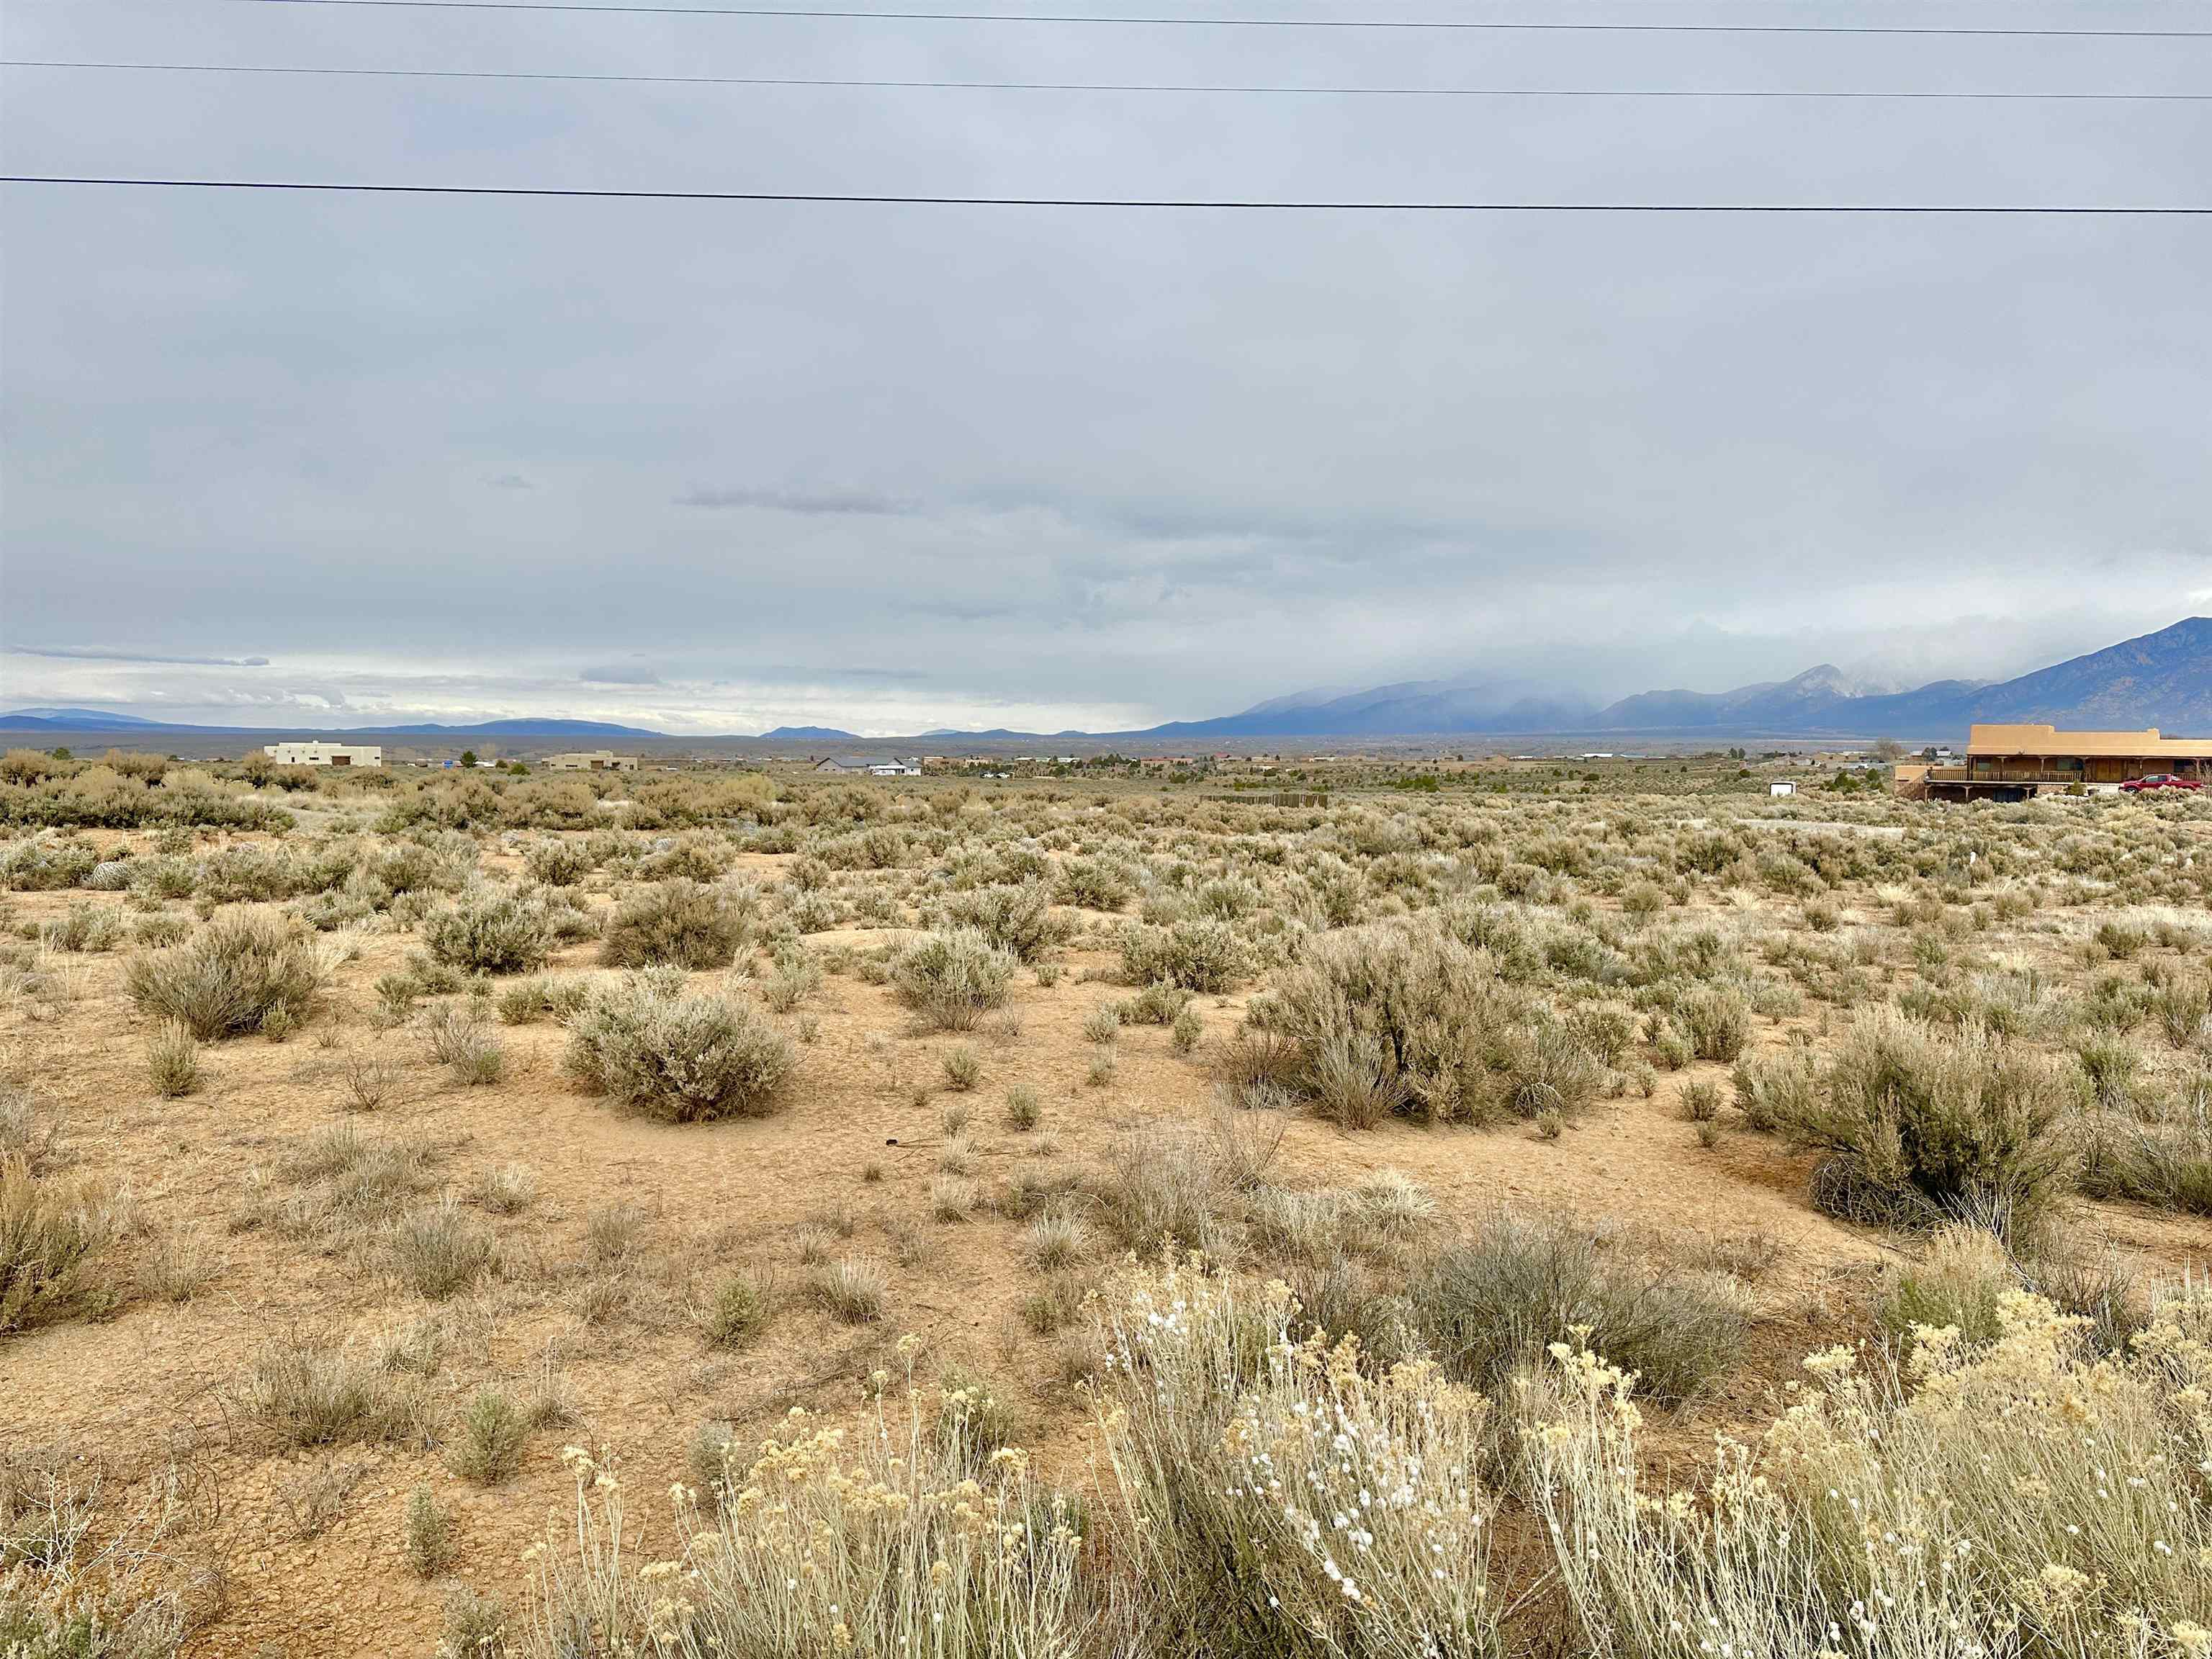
(2014, 762)
(1783, 788)
(324, 754)
(591, 760)
(874, 766)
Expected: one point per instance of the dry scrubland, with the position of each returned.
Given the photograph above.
(751, 1217)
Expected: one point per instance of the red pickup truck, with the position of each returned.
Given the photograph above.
(2160, 780)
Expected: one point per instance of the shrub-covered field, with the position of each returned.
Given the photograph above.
(1483, 1210)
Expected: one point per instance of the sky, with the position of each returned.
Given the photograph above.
(713, 467)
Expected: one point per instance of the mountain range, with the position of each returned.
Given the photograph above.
(2162, 679)
(95, 719)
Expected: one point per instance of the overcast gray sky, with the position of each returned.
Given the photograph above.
(713, 467)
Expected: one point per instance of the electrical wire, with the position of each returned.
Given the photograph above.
(1117, 86)
(2020, 210)
(1158, 20)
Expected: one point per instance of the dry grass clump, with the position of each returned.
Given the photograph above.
(490, 930)
(346, 1185)
(303, 1392)
(680, 1057)
(1274, 1495)
(174, 1266)
(1927, 1125)
(951, 979)
(438, 1250)
(463, 1042)
(241, 972)
(58, 1237)
(853, 1288)
(172, 1060)
(1163, 1186)
(903, 1544)
(1490, 1303)
(681, 923)
(2017, 1496)
(505, 1188)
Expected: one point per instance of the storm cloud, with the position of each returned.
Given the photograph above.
(467, 458)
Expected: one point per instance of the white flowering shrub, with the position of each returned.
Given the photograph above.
(1280, 1496)
(2017, 1497)
(821, 1549)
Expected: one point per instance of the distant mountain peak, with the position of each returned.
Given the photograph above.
(75, 720)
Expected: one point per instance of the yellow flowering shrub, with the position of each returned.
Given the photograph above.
(1278, 1495)
(822, 1547)
(2021, 1496)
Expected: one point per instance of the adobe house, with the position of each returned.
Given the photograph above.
(2012, 762)
(591, 760)
(324, 754)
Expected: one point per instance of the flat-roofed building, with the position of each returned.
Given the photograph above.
(325, 754)
(591, 760)
(2015, 762)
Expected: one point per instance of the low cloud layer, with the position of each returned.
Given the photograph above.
(891, 468)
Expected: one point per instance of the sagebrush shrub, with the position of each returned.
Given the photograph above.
(488, 1450)
(58, 1239)
(1960, 1284)
(231, 976)
(679, 922)
(1716, 1018)
(737, 1312)
(683, 1058)
(429, 1538)
(490, 930)
(1014, 916)
(1491, 1303)
(1393, 1016)
(1198, 954)
(1929, 1125)
(951, 979)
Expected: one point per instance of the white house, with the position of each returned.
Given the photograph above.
(874, 766)
(591, 760)
(1783, 788)
(324, 754)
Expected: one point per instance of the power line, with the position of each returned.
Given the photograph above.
(1922, 209)
(1122, 85)
(1156, 20)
